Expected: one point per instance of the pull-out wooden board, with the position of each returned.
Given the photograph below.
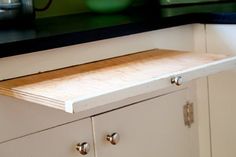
(90, 85)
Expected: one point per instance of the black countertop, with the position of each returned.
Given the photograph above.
(56, 32)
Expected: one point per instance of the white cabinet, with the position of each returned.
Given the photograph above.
(56, 142)
(222, 92)
(152, 128)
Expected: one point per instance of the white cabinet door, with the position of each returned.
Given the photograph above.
(57, 142)
(152, 128)
(222, 93)
(20, 118)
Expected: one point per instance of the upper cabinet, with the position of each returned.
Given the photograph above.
(155, 127)
(91, 85)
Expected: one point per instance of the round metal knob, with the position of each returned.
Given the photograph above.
(113, 138)
(83, 148)
(177, 80)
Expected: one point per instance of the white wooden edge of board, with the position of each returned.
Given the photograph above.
(164, 81)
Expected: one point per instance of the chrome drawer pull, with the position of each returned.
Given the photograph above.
(177, 80)
(83, 148)
(113, 138)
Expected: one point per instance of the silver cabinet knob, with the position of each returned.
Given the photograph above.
(83, 148)
(113, 138)
(177, 80)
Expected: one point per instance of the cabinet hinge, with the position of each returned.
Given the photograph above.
(188, 114)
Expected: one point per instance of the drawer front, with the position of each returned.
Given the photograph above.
(57, 142)
(19, 118)
(150, 128)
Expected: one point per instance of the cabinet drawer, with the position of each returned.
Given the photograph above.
(57, 142)
(20, 118)
(150, 128)
(91, 85)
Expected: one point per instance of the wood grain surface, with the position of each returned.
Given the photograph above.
(56, 88)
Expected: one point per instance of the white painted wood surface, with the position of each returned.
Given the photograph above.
(222, 92)
(150, 128)
(202, 96)
(19, 118)
(176, 38)
(56, 142)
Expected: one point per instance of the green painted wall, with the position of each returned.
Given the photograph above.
(60, 7)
